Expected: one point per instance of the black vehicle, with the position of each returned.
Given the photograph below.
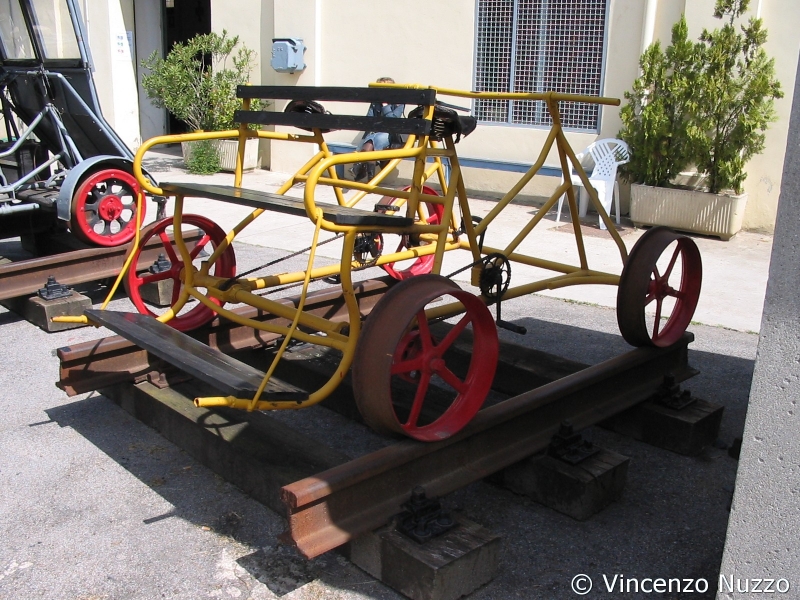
(59, 155)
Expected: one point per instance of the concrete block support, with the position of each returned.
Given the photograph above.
(158, 293)
(687, 431)
(765, 515)
(578, 491)
(444, 568)
(40, 312)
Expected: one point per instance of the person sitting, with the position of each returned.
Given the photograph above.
(376, 140)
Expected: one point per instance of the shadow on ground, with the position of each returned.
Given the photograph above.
(676, 533)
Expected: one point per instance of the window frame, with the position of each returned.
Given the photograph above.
(509, 122)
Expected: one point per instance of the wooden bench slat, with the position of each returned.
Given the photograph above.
(338, 94)
(339, 215)
(228, 375)
(347, 122)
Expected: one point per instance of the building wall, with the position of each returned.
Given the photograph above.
(780, 17)
(108, 25)
(433, 43)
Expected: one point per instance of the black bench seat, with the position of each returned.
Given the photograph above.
(339, 215)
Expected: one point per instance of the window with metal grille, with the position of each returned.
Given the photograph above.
(539, 46)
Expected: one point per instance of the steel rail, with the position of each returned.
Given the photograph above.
(25, 277)
(330, 508)
(333, 507)
(98, 363)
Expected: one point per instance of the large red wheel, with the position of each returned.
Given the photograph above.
(169, 269)
(423, 264)
(659, 288)
(405, 380)
(103, 209)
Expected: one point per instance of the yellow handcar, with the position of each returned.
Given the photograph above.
(427, 339)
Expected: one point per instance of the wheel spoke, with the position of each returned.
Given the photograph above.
(424, 332)
(173, 258)
(452, 380)
(153, 277)
(674, 258)
(651, 292)
(655, 273)
(199, 246)
(453, 334)
(419, 399)
(407, 366)
(657, 322)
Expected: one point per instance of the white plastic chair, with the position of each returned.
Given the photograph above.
(607, 154)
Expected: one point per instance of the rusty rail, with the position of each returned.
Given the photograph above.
(330, 508)
(333, 507)
(25, 277)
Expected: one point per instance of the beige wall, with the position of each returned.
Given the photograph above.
(348, 44)
(765, 171)
(114, 70)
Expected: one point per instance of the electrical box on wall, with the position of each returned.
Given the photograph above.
(287, 55)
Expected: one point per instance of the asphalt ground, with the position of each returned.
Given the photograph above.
(95, 505)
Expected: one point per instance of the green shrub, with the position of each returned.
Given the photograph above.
(203, 158)
(197, 80)
(736, 86)
(705, 103)
(656, 119)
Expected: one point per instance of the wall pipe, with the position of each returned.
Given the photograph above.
(649, 24)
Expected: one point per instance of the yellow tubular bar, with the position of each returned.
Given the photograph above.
(576, 278)
(296, 320)
(83, 319)
(545, 96)
(240, 291)
(512, 193)
(347, 354)
(331, 340)
(540, 214)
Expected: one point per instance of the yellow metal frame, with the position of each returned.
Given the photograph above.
(320, 170)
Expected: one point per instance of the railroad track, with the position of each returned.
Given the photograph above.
(72, 267)
(330, 500)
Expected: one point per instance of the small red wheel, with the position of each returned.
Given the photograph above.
(169, 268)
(398, 357)
(103, 209)
(663, 271)
(423, 264)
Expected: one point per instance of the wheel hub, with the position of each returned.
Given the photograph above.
(110, 208)
(437, 365)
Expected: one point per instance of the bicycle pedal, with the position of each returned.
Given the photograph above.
(512, 327)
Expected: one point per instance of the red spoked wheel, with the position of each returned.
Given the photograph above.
(423, 264)
(406, 379)
(142, 279)
(103, 211)
(659, 288)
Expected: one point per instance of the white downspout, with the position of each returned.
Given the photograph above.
(318, 43)
(649, 25)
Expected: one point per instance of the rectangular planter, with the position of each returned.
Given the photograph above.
(227, 154)
(688, 210)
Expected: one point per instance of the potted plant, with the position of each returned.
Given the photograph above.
(196, 82)
(704, 104)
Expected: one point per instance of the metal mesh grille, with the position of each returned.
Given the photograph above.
(538, 46)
